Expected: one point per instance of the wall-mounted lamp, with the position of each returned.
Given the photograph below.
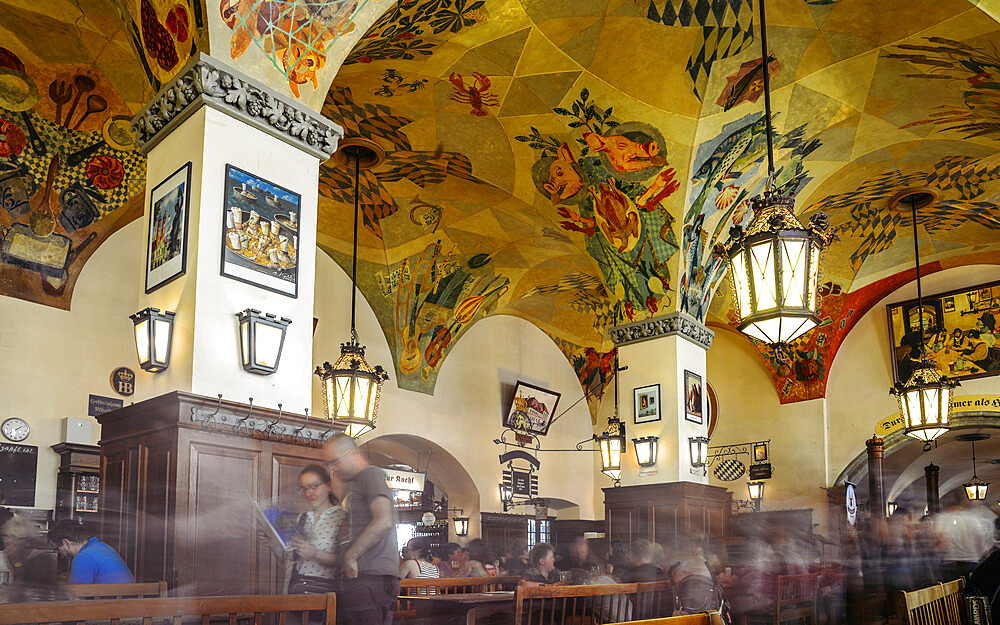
(261, 338)
(506, 495)
(698, 446)
(461, 525)
(891, 507)
(612, 445)
(154, 333)
(756, 492)
(645, 450)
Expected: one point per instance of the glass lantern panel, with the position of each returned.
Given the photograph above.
(245, 340)
(762, 273)
(362, 397)
(644, 452)
(142, 340)
(932, 406)
(267, 344)
(771, 328)
(161, 340)
(981, 491)
(914, 415)
(741, 284)
(329, 397)
(342, 396)
(813, 295)
(793, 272)
(801, 325)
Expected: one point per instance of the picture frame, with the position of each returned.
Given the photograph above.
(260, 233)
(647, 404)
(759, 452)
(960, 332)
(530, 410)
(694, 398)
(167, 234)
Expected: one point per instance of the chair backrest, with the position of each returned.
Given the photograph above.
(118, 591)
(654, 599)
(561, 605)
(705, 618)
(174, 608)
(796, 595)
(451, 585)
(940, 604)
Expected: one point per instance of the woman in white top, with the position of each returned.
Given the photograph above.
(315, 542)
(417, 562)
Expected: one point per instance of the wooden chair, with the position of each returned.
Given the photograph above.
(118, 591)
(795, 598)
(654, 599)
(705, 618)
(174, 608)
(574, 605)
(940, 604)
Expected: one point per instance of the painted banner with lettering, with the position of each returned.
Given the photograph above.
(960, 404)
(404, 480)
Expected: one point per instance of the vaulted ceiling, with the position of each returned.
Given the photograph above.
(570, 163)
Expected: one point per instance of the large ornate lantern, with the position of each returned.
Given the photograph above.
(154, 333)
(351, 386)
(612, 446)
(925, 398)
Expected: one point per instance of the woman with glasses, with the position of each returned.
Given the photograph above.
(418, 562)
(315, 542)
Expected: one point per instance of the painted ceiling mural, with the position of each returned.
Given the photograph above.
(570, 163)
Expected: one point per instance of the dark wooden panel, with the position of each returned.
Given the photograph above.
(157, 466)
(665, 525)
(116, 507)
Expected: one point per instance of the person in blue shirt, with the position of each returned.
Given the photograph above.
(94, 562)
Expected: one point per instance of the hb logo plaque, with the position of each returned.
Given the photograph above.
(123, 381)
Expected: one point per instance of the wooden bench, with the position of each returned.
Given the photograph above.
(705, 618)
(573, 605)
(177, 609)
(118, 591)
(795, 598)
(654, 599)
(417, 586)
(940, 604)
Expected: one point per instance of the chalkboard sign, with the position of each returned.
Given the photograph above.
(18, 467)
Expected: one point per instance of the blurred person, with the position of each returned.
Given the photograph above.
(92, 561)
(927, 548)
(985, 578)
(315, 541)
(542, 570)
(897, 556)
(575, 554)
(517, 557)
(29, 565)
(694, 580)
(478, 561)
(5, 515)
(370, 559)
(642, 569)
(452, 560)
(611, 606)
(965, 536)
(619, 558)
(417, 562)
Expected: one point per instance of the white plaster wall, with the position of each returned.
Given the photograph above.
(465, 413)
(51, 359)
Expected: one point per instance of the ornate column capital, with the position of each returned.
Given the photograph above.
(206, 81)
(875, 446)
(672, 324)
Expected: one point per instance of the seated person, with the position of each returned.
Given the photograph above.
(642, 570)
(93, 562)
(452, 560)
(478, 561)
(542, 567)
(418, 562)
(517, 559)
(29, 566)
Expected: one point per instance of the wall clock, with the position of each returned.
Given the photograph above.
(15, 429)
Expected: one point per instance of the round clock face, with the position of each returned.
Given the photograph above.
(15, 429)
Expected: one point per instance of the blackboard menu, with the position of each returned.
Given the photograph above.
(18, 466)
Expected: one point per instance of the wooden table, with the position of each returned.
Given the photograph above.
(471, 605)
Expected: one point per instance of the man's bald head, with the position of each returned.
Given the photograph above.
(343, 457)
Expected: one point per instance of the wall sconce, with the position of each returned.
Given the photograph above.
(506, 493)
(461, 525)
(698, 446)
(891, 507)
(154, 333)
(756, 492)
(645, 450)
(261, 340)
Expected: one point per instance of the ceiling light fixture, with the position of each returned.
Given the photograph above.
(351, 386)
(925, 398)
(774, 264)
(975, 489)
(612, 441)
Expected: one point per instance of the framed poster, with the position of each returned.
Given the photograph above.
(960, 333)
(647, 403)
(260, 233)
(693, 402)
(167, 239)
(532, 409)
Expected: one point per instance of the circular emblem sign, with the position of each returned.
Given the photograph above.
(123, 381)
(729, 469)
(428, 518)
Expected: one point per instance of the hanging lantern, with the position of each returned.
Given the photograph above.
(645, 450)
(975, 489)
(506, 495)
(698, 446)
(756, 491)
(261, 340)
(925, 399)
(461, 525)
(891, 507)
(154, 333)
(612, 446)
(351, 386)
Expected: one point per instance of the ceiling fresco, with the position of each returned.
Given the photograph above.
(570, 163)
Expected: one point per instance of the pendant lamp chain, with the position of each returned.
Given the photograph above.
(354, 254)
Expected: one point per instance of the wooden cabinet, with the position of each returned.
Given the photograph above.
(177, 492)
(662, 513)
(78, 483)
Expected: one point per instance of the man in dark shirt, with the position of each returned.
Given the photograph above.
(642, 569)
(94, 562)
(370, 554)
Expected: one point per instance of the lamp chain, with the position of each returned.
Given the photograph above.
(354, 256)
(974, 476)
(767, 92)
(920, 294)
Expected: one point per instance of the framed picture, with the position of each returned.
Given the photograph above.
(532, 409)
(167, 239)
(260, 233)
(960, 332)
(693, 398)
(647, 403)
(760, 452)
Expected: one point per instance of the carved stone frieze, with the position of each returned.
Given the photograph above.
(206, 81)
(677, 323)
